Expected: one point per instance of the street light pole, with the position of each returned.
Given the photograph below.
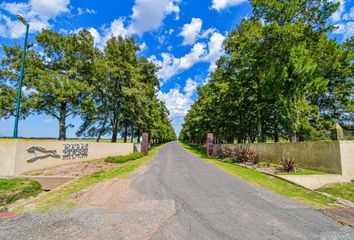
(19, 91)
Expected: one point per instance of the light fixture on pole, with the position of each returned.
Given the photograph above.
(19, 91)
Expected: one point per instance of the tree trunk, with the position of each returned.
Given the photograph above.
(138, 133)
(131, 134)
(62, 122)
(101, 131)
(125, 133)
(115, 131)
(276, 132)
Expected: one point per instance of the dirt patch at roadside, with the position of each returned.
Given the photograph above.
(142, 216)
(344, 216)
(74, 169)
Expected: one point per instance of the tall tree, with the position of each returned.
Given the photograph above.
(281, 77)
(62, 83)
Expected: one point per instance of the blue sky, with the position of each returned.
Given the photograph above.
(183, 37)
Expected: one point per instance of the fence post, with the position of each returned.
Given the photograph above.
(210, 144)
(337, 133)
(145, 144)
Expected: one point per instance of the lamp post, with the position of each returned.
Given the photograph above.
(19, 91)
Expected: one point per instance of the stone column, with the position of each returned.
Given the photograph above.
(210, 144)
(337, 133)
(145, 144)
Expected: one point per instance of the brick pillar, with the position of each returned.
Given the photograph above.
(210, 144)
(145, 144)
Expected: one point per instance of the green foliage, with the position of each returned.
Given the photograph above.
(123, 159)
(281, 78)
(12, 190)
(125, 96)
(113, 90)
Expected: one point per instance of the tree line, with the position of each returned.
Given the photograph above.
(282, 77)
(112, 89)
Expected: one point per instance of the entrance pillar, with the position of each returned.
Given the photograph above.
(210, 144)
(145, 144)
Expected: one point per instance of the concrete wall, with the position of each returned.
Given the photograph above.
(347, 157)
(331, 156)
(15, 154)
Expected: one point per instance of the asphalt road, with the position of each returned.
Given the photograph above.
(178, 196)
(211, 204)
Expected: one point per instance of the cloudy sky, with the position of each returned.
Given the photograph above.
(184, 37)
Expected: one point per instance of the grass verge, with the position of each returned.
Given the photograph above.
(12, 190)
(303, 171)
(61, 198)
(343, 190)
(276, 185)
(123, 159)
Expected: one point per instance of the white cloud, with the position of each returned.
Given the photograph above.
(143, 47)
(200, 52)
(349, 15)
(190, 87)
(190, 31)
(343, 20)
(38, 13)
(170, 65)
(94, 32)
(116, 29)
(81, 11)
(337, 16)
(345, 29)
(178, 104)
(216, 49)
(148, 15)
(222, 4)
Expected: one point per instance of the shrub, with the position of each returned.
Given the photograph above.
(241, 154)
(123, 159)
(256, 158)
(229, 160)
(219, 153)
(287, 164)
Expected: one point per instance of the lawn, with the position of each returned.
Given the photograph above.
(276, 185)
(12, 190)
(61, 199)
(343, 190)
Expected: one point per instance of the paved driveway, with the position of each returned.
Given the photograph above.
(179, 196)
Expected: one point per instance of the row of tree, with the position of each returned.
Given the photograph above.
(282, 77)
(112, 89)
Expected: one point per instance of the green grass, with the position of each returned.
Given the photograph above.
(303, 171)
(343, 190)
(123, 159)
(276, 185)
(12, 190)
(61, 199)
